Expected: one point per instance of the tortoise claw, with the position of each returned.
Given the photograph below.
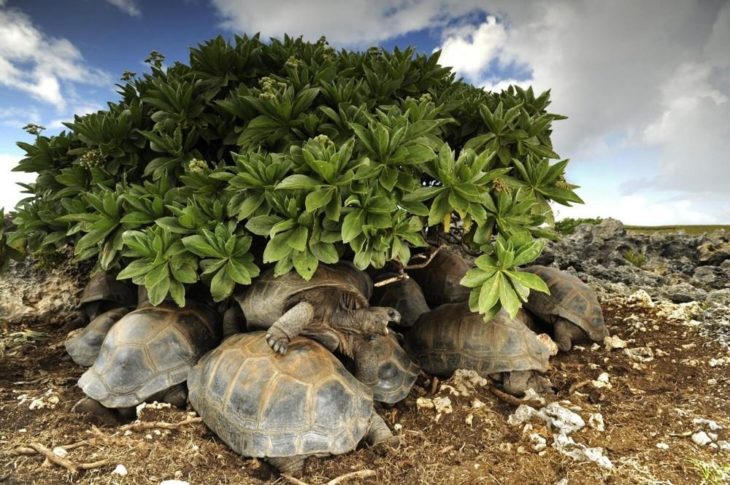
(279, 343)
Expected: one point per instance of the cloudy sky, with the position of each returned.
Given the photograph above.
(646, 85)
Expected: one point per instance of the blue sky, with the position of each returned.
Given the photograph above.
(646, 85)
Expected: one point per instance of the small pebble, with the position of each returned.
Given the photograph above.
(595, 421)
(120, 470)
(662, 446)
(701, 438)
(59, 451)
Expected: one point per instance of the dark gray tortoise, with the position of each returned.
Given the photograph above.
(440, 279)
(452, 337)
(571, 308)
(104, 292)
(283, 408)
(147, 355)
(83, 344)
(405, 296)
(331, 307)
(383, 365)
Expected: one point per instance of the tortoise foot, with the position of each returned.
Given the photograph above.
(94, 409)
(288, 465)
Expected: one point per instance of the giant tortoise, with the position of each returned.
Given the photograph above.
(571, 308)
(383, 365)
(283, 407)
(440, 279)
(104, 292)
(331, 307)
(147, 355)
(452, 337)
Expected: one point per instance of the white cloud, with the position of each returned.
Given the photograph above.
(10, 192)
(344, 22)
(651, 74)
(646, 210)
(40, 65)
(470, 52)
(127, 6)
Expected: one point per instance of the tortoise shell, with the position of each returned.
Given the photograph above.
(83, 344)
(440, 279)
(452, 337)
(383, 366)
(149, 350)
(105, 287)
(264, 404)
(269, 297)
(406, 297)
(569, 298)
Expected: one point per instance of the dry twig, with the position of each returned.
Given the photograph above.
(515, 401)
(392, 279)
(145, 425)
(351, 475)
(38, 448)
(425, 263)
(293, 480)
(578, 385)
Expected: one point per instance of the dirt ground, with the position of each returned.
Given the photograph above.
(684, 377)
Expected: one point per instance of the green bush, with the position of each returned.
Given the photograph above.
(293, 154)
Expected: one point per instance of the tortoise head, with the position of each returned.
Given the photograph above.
(368, 321)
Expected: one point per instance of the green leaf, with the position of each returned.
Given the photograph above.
(530, 280)
(221, 286)
(200, 247)
(298, 182)
(276, 249)
(305, 263)
(508, 298)
(297, 239)
(352, 225)
(490, 292)
(319, 198)
(261, 225)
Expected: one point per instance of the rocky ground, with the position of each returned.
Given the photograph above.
(650, 405)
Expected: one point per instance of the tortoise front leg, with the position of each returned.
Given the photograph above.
(379, 433)
(567, 334)
(288, 465)
(289, 325)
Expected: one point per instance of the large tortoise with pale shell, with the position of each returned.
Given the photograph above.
(283, 407)
(147, 355)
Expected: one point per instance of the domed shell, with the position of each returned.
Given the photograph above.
(569, 298)
(406, 297)
(440, 279)
(104, 286)
(83, 344)
(383, 365)
(264, 404)
(452, 337)
(149, 350)
(269, 297)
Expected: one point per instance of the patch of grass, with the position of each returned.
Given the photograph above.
(693, 230)
(567, 226)
(636, 258)
(712, 473)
